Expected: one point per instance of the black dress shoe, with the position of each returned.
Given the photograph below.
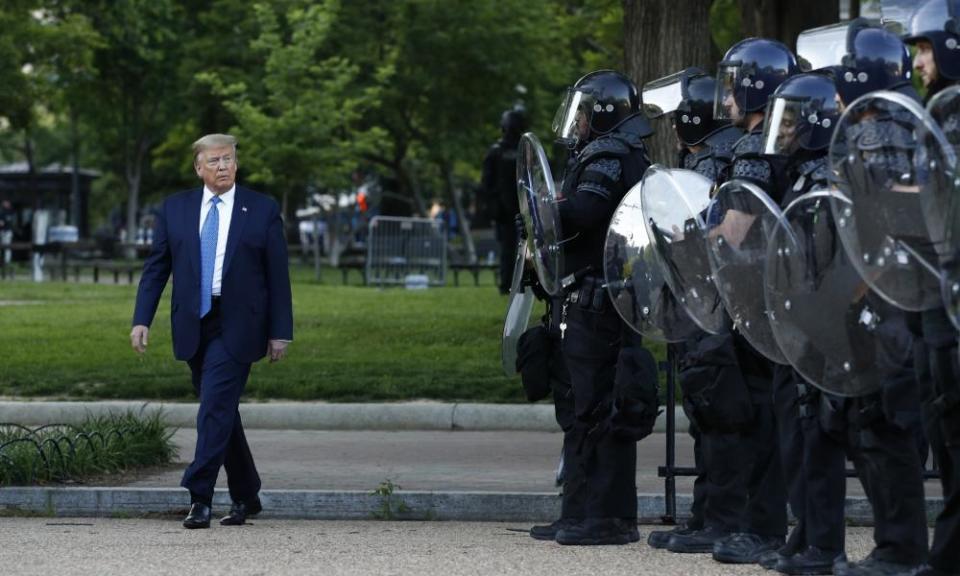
(199, 516)
(599, 531)
(872, 566)
(240, 511)
(549, 531)
(745, 548)
(660, 538)
(812, 560)
(696, 542)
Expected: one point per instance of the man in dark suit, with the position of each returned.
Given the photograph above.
(231, 306)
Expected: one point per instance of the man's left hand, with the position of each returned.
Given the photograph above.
(277, 349)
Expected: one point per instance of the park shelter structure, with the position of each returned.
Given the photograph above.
(48, 188)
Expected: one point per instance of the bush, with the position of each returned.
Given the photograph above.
(58, 453)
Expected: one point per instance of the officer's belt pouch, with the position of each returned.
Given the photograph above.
(636, 398)
(589, 295)
(832, 415)
(716, 397)
(533, 361)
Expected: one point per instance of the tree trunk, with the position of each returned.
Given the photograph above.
(76, 204)
(662, 37)
(134, 174)
(454, 193)
(785, 20)
(406, 173)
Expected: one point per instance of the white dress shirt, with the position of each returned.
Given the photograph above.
(225, 212)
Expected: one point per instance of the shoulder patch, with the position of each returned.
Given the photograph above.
(750, 144)
(606, 146)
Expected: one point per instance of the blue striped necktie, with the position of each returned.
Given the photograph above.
(208, 255)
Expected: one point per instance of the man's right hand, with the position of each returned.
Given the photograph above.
(138, 338)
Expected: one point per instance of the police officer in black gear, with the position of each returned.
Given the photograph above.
(499, 185)
(749, 73)
(601, 122)
(800, 119)
(933, 29)
(885, 439)
(705, 145)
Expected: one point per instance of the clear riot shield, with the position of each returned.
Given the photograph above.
(941, 206)
(674, 205)
(519, 307)
(739, 222)
(538, 207)
(634, 275)
(895, 15)
(885, 156)
(825, 319)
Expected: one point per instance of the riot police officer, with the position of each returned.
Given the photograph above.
(600, 122)
(499, 184)
(705, 145)
(801, 116)
(933, 30)
(750, 72)
(885, 439)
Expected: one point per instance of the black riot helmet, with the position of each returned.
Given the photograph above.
(601, 101)
(689, 95)
(938, 22)
(802, 115)
(513, 123)
(862, 56)
(748, 74)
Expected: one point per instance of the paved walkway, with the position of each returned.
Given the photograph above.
(107, 547)
(427, 461)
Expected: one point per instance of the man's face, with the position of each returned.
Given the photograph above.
(217, 167)
(924, 63)
(583, 126)
(731, 108)
(787, 131)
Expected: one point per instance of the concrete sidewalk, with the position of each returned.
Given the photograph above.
(420, 415)
(160, 547)
(448, 475)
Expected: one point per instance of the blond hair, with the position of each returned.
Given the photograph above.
(213, 141)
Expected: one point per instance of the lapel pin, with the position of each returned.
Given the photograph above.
(244, 208)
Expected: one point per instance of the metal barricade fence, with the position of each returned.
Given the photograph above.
(398, 247)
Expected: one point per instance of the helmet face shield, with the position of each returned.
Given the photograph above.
(572, 121)
(726, 106)
(783, 131)
(823, 47)
(664, 95)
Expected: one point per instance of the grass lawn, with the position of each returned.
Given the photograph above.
(352, 343)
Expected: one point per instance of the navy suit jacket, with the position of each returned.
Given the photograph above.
(255, 301)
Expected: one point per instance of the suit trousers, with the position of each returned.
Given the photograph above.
(219, 381)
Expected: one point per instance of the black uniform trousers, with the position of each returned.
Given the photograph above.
(765, 513)
(603, 474)
(572, 502)
(938, 371)
(736, 452)
(507, 237)
(700, 481)
(890, 469)
(813, 463)
(219, 381)
(701, 484)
